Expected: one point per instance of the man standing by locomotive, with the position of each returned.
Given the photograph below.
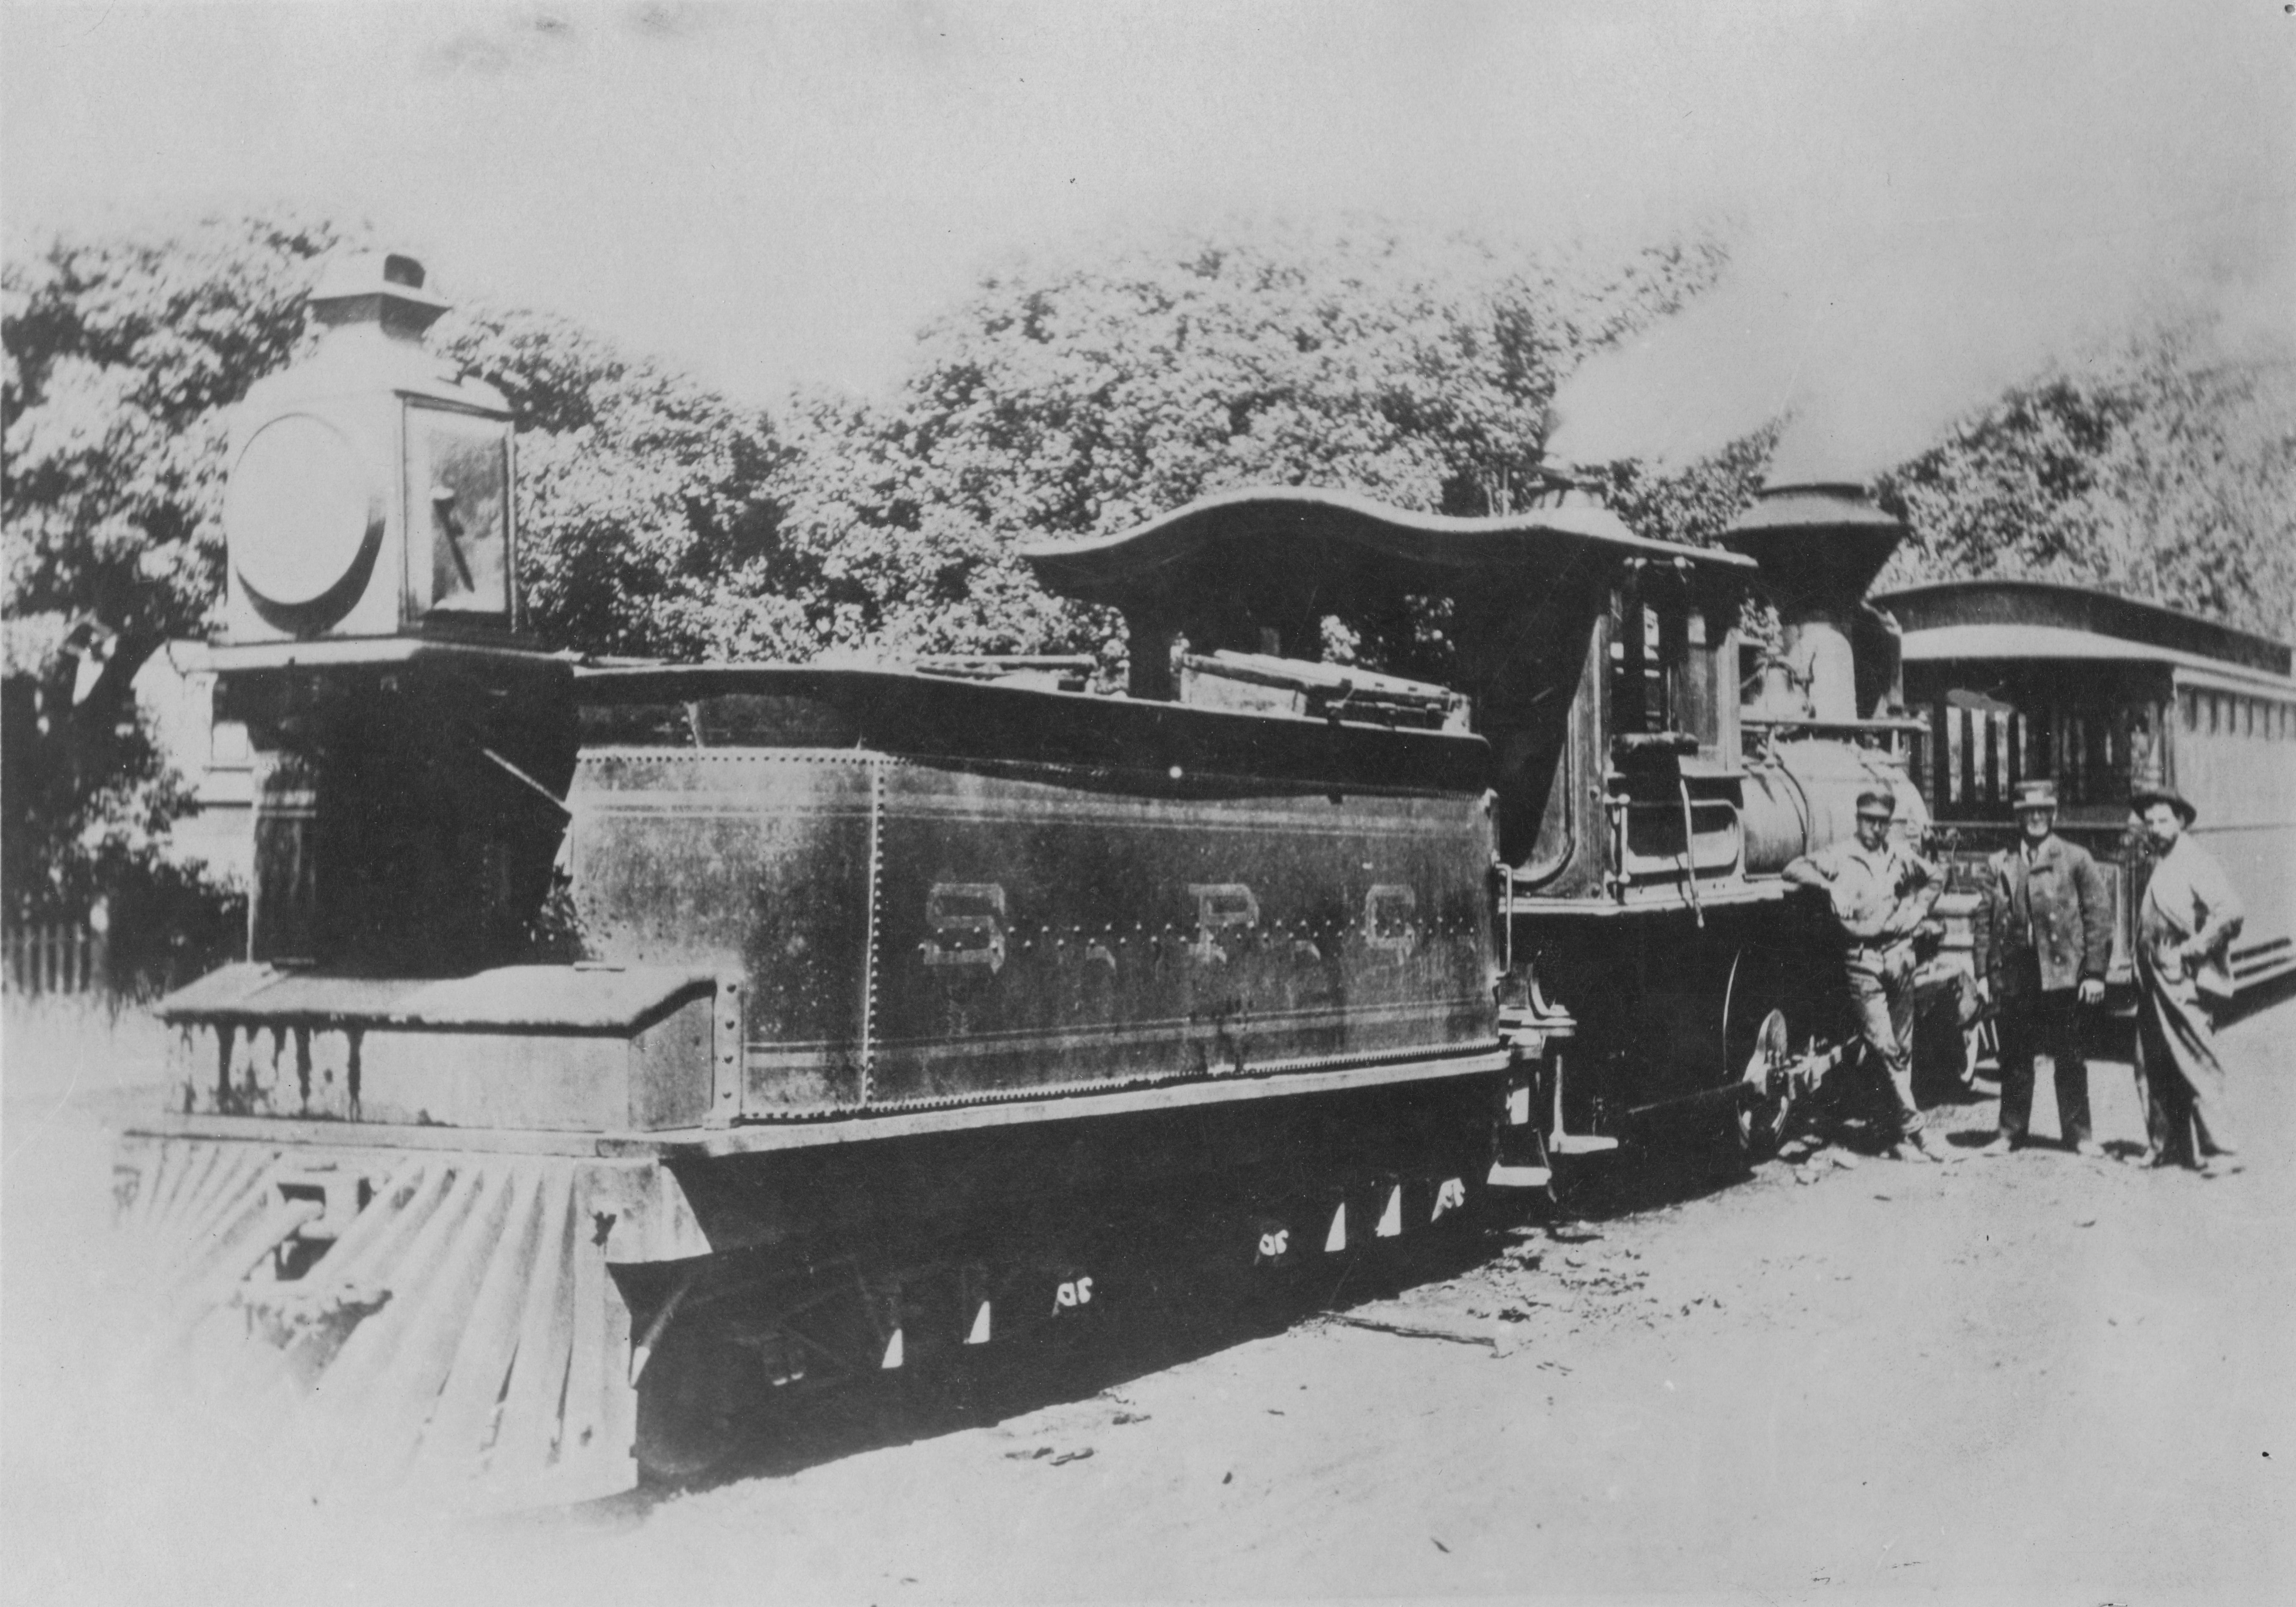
(2185, 924)
(1880, 893)
(2044, 936)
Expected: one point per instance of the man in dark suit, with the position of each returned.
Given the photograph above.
(2045, 934)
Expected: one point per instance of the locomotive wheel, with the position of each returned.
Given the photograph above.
(1761, 1120)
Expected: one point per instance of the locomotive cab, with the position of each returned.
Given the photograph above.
(1644, 814)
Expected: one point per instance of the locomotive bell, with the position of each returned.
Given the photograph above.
(370, 488)
(1819, 546)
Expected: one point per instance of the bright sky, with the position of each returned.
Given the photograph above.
(1928, 192)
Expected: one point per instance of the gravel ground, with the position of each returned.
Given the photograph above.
(2031, 1378)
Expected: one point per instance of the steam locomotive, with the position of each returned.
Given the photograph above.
(621, 1044)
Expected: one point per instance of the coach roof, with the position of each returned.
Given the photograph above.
(1998, 619)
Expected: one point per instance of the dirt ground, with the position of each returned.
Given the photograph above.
(2033, 1378)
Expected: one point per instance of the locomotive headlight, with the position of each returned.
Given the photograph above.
(370, 492)
(304, 517)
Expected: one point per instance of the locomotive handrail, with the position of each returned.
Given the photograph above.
(1690, 850)
(1797, 725)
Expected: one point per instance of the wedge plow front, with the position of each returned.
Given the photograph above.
(440, 1322)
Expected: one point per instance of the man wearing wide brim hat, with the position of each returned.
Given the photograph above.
(2044, 936)
(2185, 924)
(1880, 893)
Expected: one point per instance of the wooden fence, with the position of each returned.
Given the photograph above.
(56, 959)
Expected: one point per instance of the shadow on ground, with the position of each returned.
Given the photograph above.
(1156, 1311)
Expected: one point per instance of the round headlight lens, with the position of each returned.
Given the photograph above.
(300, 511)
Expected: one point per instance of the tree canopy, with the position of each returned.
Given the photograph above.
(2167, 473)
(124, 354)
(1082, 394)
(640, 488)
(1074, 394)
(642, 492)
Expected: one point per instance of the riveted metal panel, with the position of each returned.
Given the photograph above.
(919, 930)
(1037, 932)
(749, 861)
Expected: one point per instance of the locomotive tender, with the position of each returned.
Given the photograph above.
(619, 1044)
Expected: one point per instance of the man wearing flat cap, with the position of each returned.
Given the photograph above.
(2044, 936)
(1880, 893)
(2185, 924)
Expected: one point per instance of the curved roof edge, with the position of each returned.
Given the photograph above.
(2030, 603)
(1436, 544)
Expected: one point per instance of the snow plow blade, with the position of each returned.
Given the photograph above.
(439, 1325)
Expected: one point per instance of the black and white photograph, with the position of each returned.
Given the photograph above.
(991, 801)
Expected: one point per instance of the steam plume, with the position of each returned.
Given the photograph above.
(2055, 203)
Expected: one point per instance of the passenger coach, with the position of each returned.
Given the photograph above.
(2022, 679)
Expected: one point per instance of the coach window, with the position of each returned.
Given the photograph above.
(1987, 749)
(2141, 760)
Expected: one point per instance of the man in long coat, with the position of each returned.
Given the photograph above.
(2044, 938)
(2185, 924)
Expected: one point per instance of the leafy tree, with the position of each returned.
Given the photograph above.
(1696, 503)
(1083, 396)
(2166, 475)
(640, 491)
(643, 494)
(124, 354)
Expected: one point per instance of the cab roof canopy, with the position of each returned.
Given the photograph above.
(1285, 550)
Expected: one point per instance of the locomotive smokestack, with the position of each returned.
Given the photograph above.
(1819, 546)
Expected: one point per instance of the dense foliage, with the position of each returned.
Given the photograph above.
(123, 357)
(642, 494)
(1081, 396)
(1066, 396)
(640, 491)
(2164, 474)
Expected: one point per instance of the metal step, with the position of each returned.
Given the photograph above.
(1580, 1144)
